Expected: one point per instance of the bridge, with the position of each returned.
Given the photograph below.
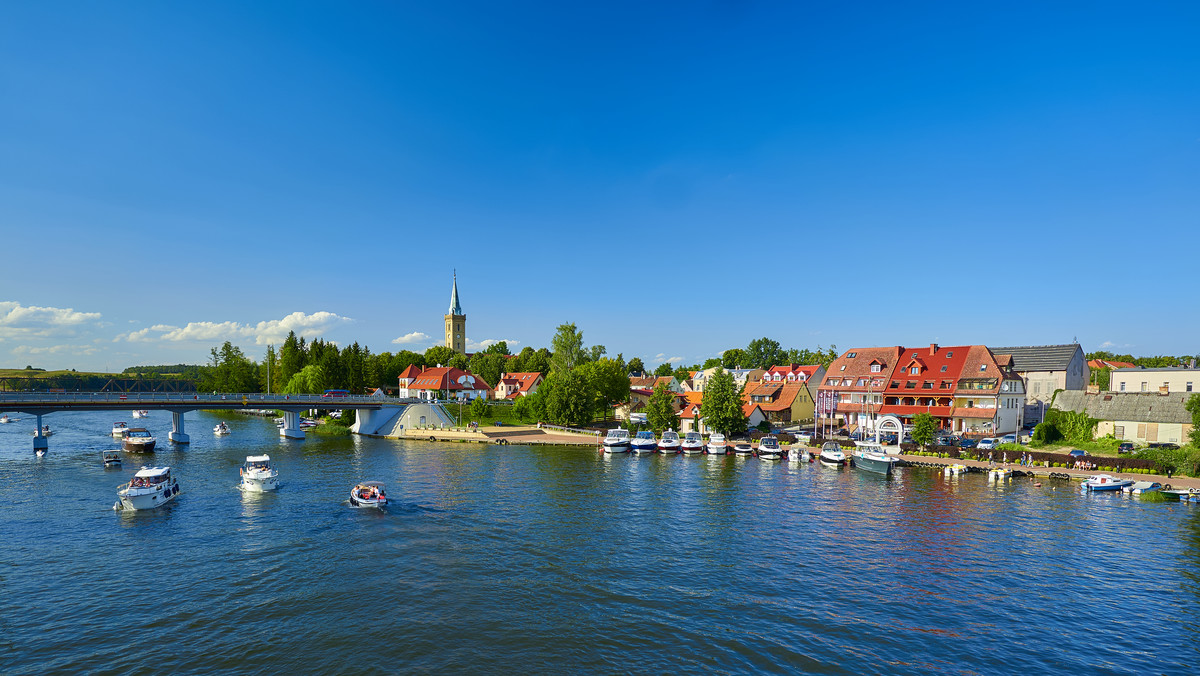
(43, 403)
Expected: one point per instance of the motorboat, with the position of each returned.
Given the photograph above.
(768, 448)
(955, 470)
(616, 441)
(692, 444)
(119, 430)
(743, 448)
(259, 475)
(873, 457)
(717, 444)
(46, 431)
(669, 443)
(221, 429)
(141, 413)
(368, 494)
(1104, 482)
(1140, 487)
(832, 454)
(644, 442)
(1191, 495)
(110, 458)
(150, 487)
(1000, 474)
(4, 419)
(41, 452)
(138, 440)
(799, 455)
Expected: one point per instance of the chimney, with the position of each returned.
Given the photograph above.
(932, 349)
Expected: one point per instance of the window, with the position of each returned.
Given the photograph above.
(1122, 387)
(915, 370)
(944, 369)
(833, 381)
(982, 367)
(945, 384)
(843, 368)
(949, 354)
(895, 383)
(851, 355)
(1167, 385)
(910, 385)
(927, 385)
(1119, 431)
(876, 368)
(1189, 387)
(914, 355)
(861, 382)
(1143, 386)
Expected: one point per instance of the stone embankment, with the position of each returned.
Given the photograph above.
(514, 435)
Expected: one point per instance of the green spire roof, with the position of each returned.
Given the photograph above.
(455, 306)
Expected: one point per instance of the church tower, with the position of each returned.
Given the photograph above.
(456, 322)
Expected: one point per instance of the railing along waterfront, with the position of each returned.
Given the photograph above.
(175, 398)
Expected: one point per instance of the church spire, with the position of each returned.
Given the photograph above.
(455, 306)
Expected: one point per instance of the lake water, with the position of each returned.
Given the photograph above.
(511, 559)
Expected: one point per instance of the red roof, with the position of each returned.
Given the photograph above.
(411, 372)
(448, 378)
(935, 364)
(798, 371)
(974, 412)
(1106, 364)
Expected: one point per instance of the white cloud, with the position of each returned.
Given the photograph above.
(263, 333)
(410, 338)
(675, 360)
(1109, 344)
(662, 357)
(55, 349)
(482, 345)
(20, 321)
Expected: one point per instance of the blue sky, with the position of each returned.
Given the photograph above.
(675, 178)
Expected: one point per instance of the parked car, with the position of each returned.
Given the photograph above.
(1166, 445)
(1076, 453)
(966, 443)
(1008, 439)
(988, 443)
(945, 440)
(1125, 447)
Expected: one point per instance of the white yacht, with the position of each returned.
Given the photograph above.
(221, 429)
(617, 441)
(873, 457)
(644, 442)
(141, 413)
(768, 448)
(119, 430)
(692, 444)
(4, 419)
(832, 454)
(151, 487)
(669, 443)
(258, 475)
(368, 494)
(138, 440)
(717, 444)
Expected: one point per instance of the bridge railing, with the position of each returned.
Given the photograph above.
(248, 399)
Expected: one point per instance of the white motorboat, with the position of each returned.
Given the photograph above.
(259, 475)
(616, 441)
(368, 494)
(692, 444)
(1104, 482)
(717, 444)
(138, 440)
(669, 443)
(141, 413)
(110, 458)
(743, 448)
(46, 431)
(221, 429)
(643, 443)
(799, 455)
(873, 457)
(832, 454)
(41, 452)
(4, 419)
(955, 470)
(768, 448)
(999, 474)
(151, 487)
(119, 430)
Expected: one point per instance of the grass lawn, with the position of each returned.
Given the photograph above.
(496, 412)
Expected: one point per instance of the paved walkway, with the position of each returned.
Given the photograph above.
(1175, 481)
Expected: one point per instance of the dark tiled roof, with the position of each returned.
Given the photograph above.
(1130, 406)
(1039, 357)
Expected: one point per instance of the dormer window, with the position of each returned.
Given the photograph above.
(876, 368)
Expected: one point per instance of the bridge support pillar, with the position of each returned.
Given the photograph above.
(177, 434)
(291, 425)
(40, 442)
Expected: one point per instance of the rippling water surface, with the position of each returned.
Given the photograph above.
(553, 559)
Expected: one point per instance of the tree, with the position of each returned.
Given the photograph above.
(608, 382)
(660, 410)
(479, 408)
(664, 369)
(310, 380)
(721, 408)
(521, 409)
(683, 373)
(734, 358)
(489, 366)
(568, 399)
(711, 363)
(438, 355)
(568, 349)
(924, 427)
(500, 347)
(763, 353)
(539, 361)
(1193, 406)
(270, 374)
(635, 365)
(596, 351)
(459, 361)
